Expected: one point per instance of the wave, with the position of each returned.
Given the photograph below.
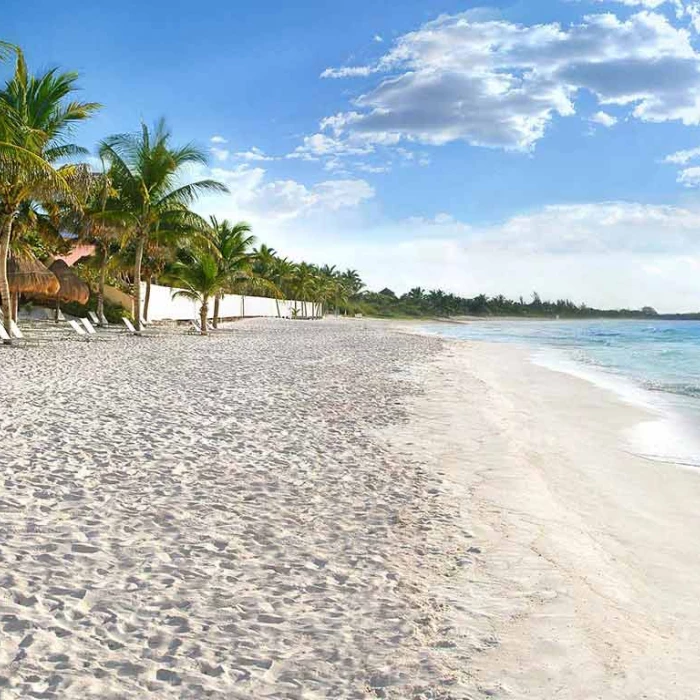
(680, 389)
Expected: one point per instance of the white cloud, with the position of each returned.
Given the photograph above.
(321, 145)
(218, 139)
(596, 228)
(253, 196)
(499, 84)
(651, 4)
(683, 157)
(373, 169)
(604, 119)
(378, 38)
(253, 155)
(220, 154)
(689, 177)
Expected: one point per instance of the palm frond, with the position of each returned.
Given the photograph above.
(33, 176)
(186, 194)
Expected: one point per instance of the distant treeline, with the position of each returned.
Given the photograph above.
(421, 303)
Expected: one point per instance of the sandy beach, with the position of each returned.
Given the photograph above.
(333, 510)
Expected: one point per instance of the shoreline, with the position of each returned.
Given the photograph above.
(337, 509)
(585, 582)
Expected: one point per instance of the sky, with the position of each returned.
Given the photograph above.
(502, 148)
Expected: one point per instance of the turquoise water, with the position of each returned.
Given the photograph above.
(661, 356)
(654, 363)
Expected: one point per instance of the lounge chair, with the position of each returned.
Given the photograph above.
(195, 327)
(129, 326)
(77, 327)
(88, 326)
(15, 331)
(3, 333)
(95, 319)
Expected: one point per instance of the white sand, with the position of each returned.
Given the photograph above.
(187, 517)
(587, 585)
(280, 512)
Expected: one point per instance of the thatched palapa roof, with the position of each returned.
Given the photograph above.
(72, 287)
(27, 275)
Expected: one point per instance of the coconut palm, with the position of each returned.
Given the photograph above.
(232, 245)
(147, 171)
(303, 282)
(281, 274)
(199, 280)
(100, 225)
(36, 119)
(353, 283)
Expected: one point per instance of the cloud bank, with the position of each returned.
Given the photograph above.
(499, 84)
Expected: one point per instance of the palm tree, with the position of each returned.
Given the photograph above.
(147, 171)
(233, 247)
(100, 225)
(199, 280)
(303, 280)
(36, 118)
(353, 282)
(281, 274)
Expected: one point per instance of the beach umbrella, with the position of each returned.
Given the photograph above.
(72, 288)
(26, 275)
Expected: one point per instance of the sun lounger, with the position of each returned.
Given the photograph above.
(129, 326)
(16, 332)
(195, 327)
(77, 327)
(95, 319)
(88, 326)
(3, 333)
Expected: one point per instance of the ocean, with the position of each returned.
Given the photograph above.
(654, 364)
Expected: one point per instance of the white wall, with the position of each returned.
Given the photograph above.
(163, 307)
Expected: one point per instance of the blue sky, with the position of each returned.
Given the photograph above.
(508, 147)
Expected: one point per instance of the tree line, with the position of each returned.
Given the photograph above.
(419, 302)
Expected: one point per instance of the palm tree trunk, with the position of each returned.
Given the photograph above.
(217, 300)
(203, 313)
(277, 304)
(147, 300)
(137, 282)
(4, 282)
(101, 292)
(243, 306)
(15, 306)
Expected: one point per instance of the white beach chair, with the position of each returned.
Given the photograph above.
(4, 335)
(15, 331)
(144, 322)
(195, 327)
(129, 326)
(77, 327)
(88, 326)
(95, 319)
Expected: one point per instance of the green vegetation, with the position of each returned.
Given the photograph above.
(419, 303)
